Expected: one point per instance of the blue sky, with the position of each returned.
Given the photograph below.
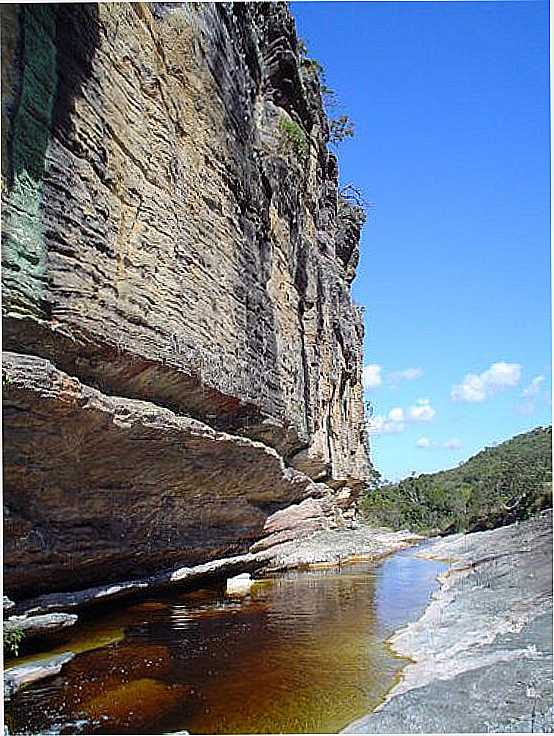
(451, 105)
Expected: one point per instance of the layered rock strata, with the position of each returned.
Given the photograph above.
(183, 357)
(315, 533)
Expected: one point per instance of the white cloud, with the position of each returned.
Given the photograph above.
(421, 412)
(409, 374)
(471, 390)
(396, 414)
(425, 443)
(453, 444)
(382, 425)
(372, 375)
(502, 375)
(530, 395)
(478, 387)
(397, 418)
(533, 389)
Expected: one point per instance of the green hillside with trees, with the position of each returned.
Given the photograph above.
(497, 486)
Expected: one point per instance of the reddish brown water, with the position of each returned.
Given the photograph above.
(304, 653)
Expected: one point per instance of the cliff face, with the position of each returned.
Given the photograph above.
(183, 353)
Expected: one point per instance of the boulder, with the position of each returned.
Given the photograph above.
(239, 585)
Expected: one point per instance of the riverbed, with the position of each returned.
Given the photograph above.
(304, 652)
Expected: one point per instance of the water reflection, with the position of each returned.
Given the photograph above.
(302, 653)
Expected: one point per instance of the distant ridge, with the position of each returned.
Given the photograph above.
(497, 486)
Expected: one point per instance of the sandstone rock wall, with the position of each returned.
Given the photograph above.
(174, 250)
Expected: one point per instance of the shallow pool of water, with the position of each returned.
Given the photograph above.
(304, 653)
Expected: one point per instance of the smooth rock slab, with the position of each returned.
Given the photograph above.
(17, 677)
(482, 651)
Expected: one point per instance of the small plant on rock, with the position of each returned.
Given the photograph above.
(314, 67)
(340, 128)
(12, 640)
(295, 136)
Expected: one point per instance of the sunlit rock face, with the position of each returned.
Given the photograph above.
(173, 235)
